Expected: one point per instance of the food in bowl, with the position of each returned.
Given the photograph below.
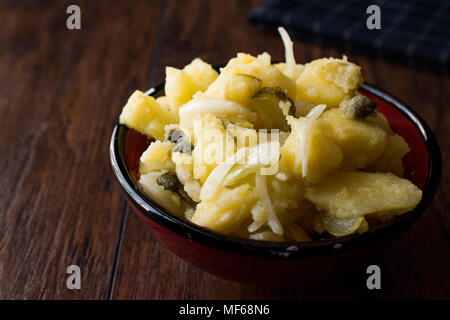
(272, 152)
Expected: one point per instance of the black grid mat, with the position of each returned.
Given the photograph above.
(416, 32)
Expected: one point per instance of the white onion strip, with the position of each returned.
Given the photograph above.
(261, 186)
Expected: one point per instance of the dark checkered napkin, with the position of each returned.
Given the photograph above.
(416, 32)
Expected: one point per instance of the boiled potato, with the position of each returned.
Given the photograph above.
(166, 198)
(244, 137)
(164, 102)
(212, 146)
(308, 152)
(379, 120)
(391, 159)
(184, 171)
(146, 116)
(272, 77)
(226, 213)
(181, 85)
(157, 157)
(258, 67)
(328, 81)
(286, 199)
(296, 72)
(242, 64)
(202, 72)
(241, 88)
(361, 143)
(266, 235)
(348, 195)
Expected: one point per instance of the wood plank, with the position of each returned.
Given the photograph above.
(60, 96)
(413, 266)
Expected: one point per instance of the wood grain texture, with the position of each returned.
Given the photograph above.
(415, 266)
(61, 92)
(60, 96)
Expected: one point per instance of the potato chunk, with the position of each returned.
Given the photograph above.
(328, 81)
(258, 67)
(156, 157)
(348, 195)
(241, 88)
(146, 116)
(228, 211)
(361, 142)
(166, 198)
(308, 153)
(212, 145)
(202, 72)
(181, 85)
(274, 78)
(391, 159)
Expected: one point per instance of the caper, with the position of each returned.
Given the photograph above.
(358, 107)
(175, 135)
(183, 147)
(182, 144)
(169, 181)
(267, 105)
(183, 194)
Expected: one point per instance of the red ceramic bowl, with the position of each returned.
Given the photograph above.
(271, 263)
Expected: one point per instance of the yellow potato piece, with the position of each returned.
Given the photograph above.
(391, 159)
(328, 81)
(181, 85)
(355, 194)
(242, 64)
(241, 88)
(202, 72)
(308, 153)
(166, 198)
(258, 67)
(212, 145)
(361, 142)
(164, 102)
(156, 157)
(274, 78)
(298, 69)
(146, 116)
(228, 211)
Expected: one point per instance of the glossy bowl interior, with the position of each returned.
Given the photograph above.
(241, 259)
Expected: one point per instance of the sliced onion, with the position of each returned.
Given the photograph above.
(341, 227)
(213, 183)
(272, 219)
(215, 106)
(316, 112)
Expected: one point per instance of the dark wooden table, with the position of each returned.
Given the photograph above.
(61, 93)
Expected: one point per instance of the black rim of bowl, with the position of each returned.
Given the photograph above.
(315, 248)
